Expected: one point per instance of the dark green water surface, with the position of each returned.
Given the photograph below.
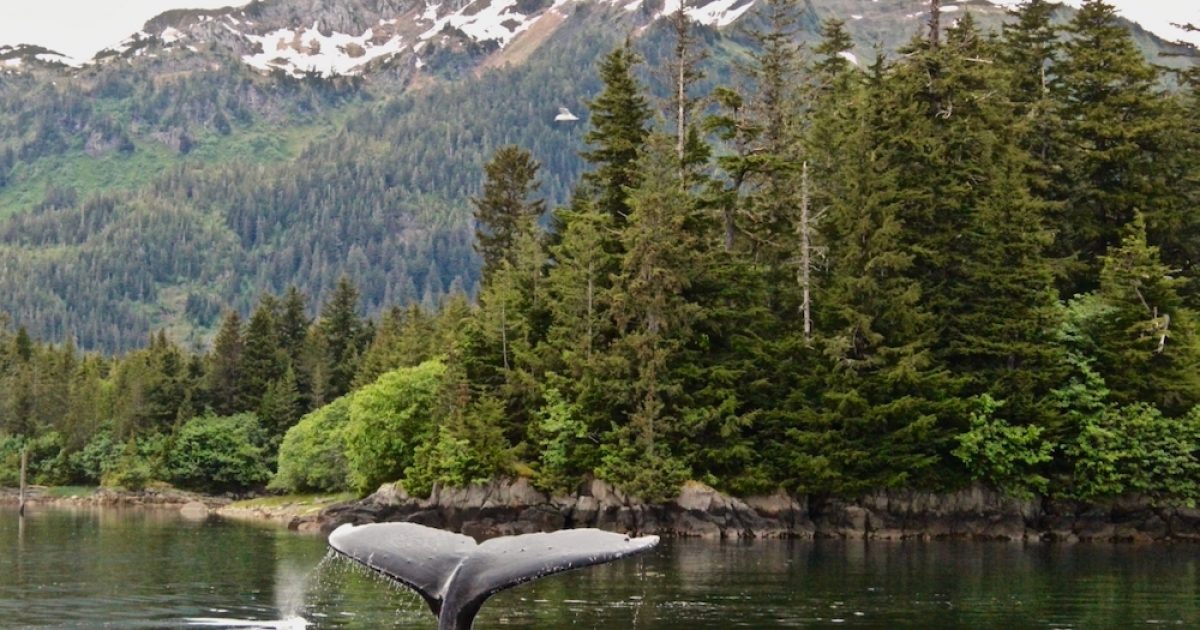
(111, 568)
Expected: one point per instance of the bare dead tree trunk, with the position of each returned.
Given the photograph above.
(935, 22)
(504, 331)
(729, 227)
(24, 468)
(591, 287)
(805, 255)
(682, 41)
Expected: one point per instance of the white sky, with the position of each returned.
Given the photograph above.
(1156, 16)
(81, 28)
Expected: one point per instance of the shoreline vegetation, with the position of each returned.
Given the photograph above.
(889, 295)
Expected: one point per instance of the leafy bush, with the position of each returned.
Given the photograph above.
(131, 470)
(312, 456)
(468, 448)
(219, 453)
(1003, 455)
(388, 420)
(96, 458)
(10, 460)
(47, 461)
(558, 431)
(1136, 449)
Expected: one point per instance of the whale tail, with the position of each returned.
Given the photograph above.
(455, 575)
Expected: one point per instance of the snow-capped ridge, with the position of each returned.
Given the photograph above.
(311, 51)
(23, 56)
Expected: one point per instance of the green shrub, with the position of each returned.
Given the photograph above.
(10, 460)
(216, 454)
(312, 456)
(130, 471)
(1003, 455)
(467, 448)
(388, 420)
(559, 431)
(1136, 449)
(96, 458)
(47, 461)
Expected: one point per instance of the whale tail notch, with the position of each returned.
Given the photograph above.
(455, 575)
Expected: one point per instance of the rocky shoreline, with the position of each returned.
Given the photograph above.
(107, 497)
(515, 506)
(506, 507)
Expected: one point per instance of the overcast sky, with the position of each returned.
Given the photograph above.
(80, 28)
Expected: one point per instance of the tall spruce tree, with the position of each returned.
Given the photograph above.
(343, 339)
(1147, 341)
(292, 324)
(505, 210)
(263, 358)
(653, 315)
(879, 414)
(1029, 50)
(1114, 120)
(225, 366)
(776, 107)
(1000, 310)
(619, 119)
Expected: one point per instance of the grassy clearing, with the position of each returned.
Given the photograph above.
(300, 503)
(67, 492)
(259, 143)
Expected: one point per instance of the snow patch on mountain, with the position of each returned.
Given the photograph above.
(299, 52)
(718, 13)
(170, 35)
(499, 21)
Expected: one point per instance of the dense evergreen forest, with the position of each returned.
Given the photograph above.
(975, 260)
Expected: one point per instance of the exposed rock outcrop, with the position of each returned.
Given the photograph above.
(505, 507)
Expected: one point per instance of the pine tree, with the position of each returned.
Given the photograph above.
(378, 357)
(690, 150)
(775, 107)
(578, 357)
(343, 336)
(879, 416)
(263, 358)
(505, 210)
(1029, 50)
(293, 323)
(1114, 118)
(168, 384)
(619, 118)
(653, 314)
(1147, 342)
(279, 407)
(1001, 308)
(225, 366)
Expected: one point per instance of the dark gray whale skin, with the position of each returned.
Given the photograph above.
(455, 575)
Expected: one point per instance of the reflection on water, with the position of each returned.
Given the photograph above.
(113, 568)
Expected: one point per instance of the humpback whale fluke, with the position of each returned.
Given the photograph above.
(455, 575)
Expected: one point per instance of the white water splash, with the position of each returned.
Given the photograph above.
(290, 623)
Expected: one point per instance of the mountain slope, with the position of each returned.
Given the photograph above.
(216, 155)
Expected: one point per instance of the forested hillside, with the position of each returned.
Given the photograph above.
(182, 174)
(971, 260)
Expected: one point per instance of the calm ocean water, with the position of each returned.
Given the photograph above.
(112, 568)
